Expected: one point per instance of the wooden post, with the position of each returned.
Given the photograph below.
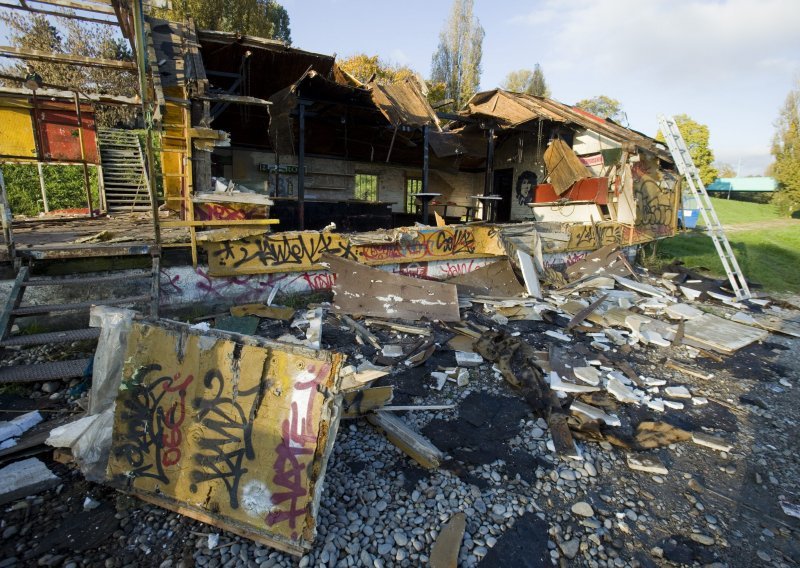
(301, 174)
(489, 180)
(86, 185)
(42, 186)
(141, 67)
(425, 160)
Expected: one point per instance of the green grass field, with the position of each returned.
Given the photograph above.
(766, 245)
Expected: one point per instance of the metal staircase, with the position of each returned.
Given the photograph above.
(686, 167)
(68, 369)
(127, 186)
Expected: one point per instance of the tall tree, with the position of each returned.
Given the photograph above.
(725, 170)
(696, 137)
(262, 18)
(457, 60)
(34, 31)
(603, 106)
(363, 67)
(527, 81)
(786, 151)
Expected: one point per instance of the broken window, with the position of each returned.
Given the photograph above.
(367, 187)
(413, 186)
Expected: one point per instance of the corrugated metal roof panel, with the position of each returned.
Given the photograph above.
(749, 184)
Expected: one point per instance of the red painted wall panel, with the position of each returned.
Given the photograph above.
(58, 130)
(587, 189)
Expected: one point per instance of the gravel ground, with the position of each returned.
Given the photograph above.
(524, 505)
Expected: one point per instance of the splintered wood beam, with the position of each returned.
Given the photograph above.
(72, 16)
(44, 56)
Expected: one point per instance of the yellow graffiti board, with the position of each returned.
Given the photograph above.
(17, 140)
(299, 251)
(226, 431)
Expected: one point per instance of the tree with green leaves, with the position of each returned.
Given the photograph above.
(696, 136)
(457, 60)
(786, 151)
(603, 106)
(365, 67)
(262, 18)
(527, 81)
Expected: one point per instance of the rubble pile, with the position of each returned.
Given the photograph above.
(620, 419)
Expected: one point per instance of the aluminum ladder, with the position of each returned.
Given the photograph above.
(686, 167)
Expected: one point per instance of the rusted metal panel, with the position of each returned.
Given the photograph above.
(58, 131)
(230, 430)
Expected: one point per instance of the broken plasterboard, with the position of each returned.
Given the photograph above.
(718, 334)
(231, 430)
(496, 279)
(361, 290)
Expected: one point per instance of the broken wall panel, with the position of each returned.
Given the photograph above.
(361, 290)
(289, 252)
(226, 429)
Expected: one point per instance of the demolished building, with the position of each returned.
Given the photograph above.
(278, 172)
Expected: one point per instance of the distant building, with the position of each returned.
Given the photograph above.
(729, 186)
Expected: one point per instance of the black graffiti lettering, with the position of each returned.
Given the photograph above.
(460, 241)
(292, 250)
(147, 425)
(227, 439)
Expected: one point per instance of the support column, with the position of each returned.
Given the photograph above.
(488, 185)
(301, 167)
(425, 159)
(86, 184)
(41, 184)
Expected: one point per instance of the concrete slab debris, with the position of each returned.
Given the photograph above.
(23, 478)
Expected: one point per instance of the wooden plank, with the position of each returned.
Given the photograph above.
(721, 335)
(223, 428)
(361, 290)
(13, 301)
(70, 15)
(48, 57)
(586, 312)
(496, 279)
(444, 552)
(414, 445)
(360, 402)
(97, 7)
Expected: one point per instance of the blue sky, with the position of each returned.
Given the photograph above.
(726, 63)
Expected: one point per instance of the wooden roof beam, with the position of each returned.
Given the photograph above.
(96, 7)
(24, 6)
(36, 55)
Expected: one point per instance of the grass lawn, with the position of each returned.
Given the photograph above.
(769, 256)
(737, 212)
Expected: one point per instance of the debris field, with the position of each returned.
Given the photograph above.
(622, 418)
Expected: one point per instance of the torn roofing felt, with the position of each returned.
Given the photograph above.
(514, 109)
(403, 104)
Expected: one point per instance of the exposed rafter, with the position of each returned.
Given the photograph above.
(36, 55)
